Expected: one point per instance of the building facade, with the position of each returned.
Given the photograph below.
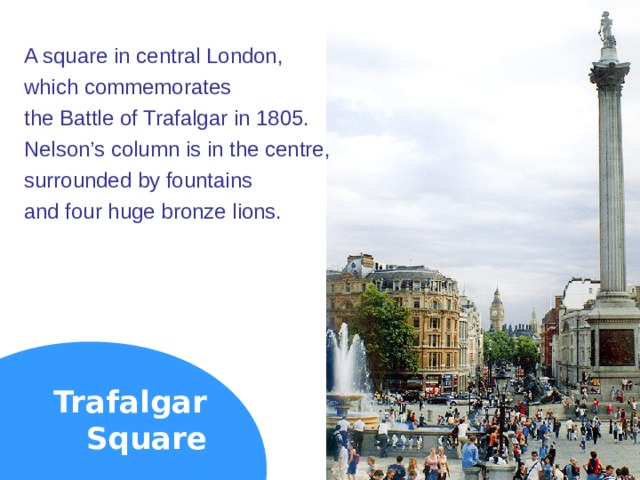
(571, 352)
(475, 339)
(549, 330)
(442, 339)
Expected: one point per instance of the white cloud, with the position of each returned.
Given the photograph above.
(466, 140)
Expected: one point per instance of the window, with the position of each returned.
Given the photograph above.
(347, 287)
(416, 322)
(448, 304)
(448, 360)
(364, 287)
(434, 323)
(434, 305)
(416, 303)
(448, 324)
(434, 360)
(448, 340)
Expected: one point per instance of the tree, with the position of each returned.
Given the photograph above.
(526, 354)
(382, 324)
(498, 348)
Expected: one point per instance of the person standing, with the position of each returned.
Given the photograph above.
(353, 461)
(336, 440)
(344, 429)
(383, 437)
(552, 453)
(401, 472)
(521, 472)
(593, 467)
(391, 473)
(582, 411)
(609, 473)
(572, 470)
(625, 475)
(443, 465)
(595, 427)
(371, 468)
(534, 469)
(431, 464)
(463, 427)
(569, 427)
(358, 434)
(557, 472)
(343, 461)
(517, 453)
(547, 469)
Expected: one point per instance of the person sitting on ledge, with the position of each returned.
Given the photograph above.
(470, 456)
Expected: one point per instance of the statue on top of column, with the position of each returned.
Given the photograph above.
(605, 31)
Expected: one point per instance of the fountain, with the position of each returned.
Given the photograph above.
(347, 379)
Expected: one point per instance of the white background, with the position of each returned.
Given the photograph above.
(243, 301)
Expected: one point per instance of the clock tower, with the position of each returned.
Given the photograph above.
(496, 313)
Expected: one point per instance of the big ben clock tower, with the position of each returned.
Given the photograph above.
(496, 313)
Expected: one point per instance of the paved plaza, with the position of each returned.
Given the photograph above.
(620, 454)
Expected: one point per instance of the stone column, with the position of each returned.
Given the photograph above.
(608, 75)
(614, 317)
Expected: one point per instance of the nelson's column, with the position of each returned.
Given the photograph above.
(614, 319)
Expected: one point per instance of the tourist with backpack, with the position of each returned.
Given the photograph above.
(571, 470)
(593, 467)
(534, 468)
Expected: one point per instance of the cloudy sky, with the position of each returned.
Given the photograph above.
(463, 137)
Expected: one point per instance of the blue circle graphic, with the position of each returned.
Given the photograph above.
(107, 411)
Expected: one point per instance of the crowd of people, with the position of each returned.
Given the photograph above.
(529, 439)
(544, 429)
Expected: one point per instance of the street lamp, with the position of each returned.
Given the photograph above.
(502, 384)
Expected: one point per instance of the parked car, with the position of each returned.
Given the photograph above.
(411, 396)
(463, 400)
(442, 398)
